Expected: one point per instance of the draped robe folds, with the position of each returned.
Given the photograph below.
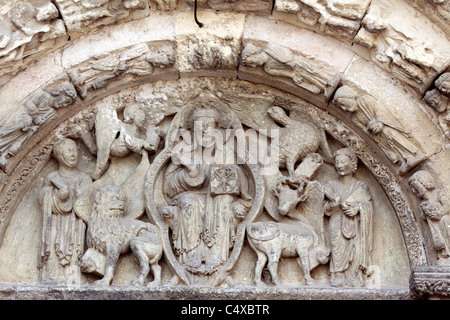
(439, 227)
(350, 237)
(12, 135)
(204, 228)
(393, 138)
(63, 233)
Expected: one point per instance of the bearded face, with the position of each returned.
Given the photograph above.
(205, 131)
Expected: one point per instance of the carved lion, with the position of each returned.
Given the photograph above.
(111, 234)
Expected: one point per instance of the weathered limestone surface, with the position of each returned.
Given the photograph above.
(214, 47)
(105, 104)
(308, 59)
(412, 49)
(28, 31)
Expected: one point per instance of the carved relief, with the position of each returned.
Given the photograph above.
(118, 138)
(200, 212)
(206, 200)
(63, 232)
(349, 206)
(79, 15)
(163, 5)
(298, 139)
(383, 127)
(39, 109)
(200, 53)
(438, 99)
(299, 234)
(26, 33)
(111, 232)
(437, 11)
(401, 47)
(212, 55)
(340, 18)
(278, 61)
(430, 282)
(137, 61)
(272, 240)
(81, 126)
(434, 207)
(387, 180)
(253, 6)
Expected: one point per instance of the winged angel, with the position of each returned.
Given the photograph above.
(118, 138)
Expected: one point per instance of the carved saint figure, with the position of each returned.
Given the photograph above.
(435, 209)
(39, 109)
(375, 120)
(63, 232)
(281, 62)
(13, 134)
(210, 199)
(348, 203)
(138, 60)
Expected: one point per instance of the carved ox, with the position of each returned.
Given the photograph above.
(296, 237)
(289, 198)
(272, 240)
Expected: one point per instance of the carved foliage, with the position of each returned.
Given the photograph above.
(430, 282)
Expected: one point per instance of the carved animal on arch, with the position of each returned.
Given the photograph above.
(272, 240)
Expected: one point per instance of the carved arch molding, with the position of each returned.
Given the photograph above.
(341, 75)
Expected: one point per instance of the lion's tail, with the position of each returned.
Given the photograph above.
(146, 227)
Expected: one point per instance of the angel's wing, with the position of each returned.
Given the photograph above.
(107, 125)
(133, 187)
(83, 204)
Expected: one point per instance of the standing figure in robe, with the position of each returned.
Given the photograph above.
(434, 208)
(63, 232)
(349, 205)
